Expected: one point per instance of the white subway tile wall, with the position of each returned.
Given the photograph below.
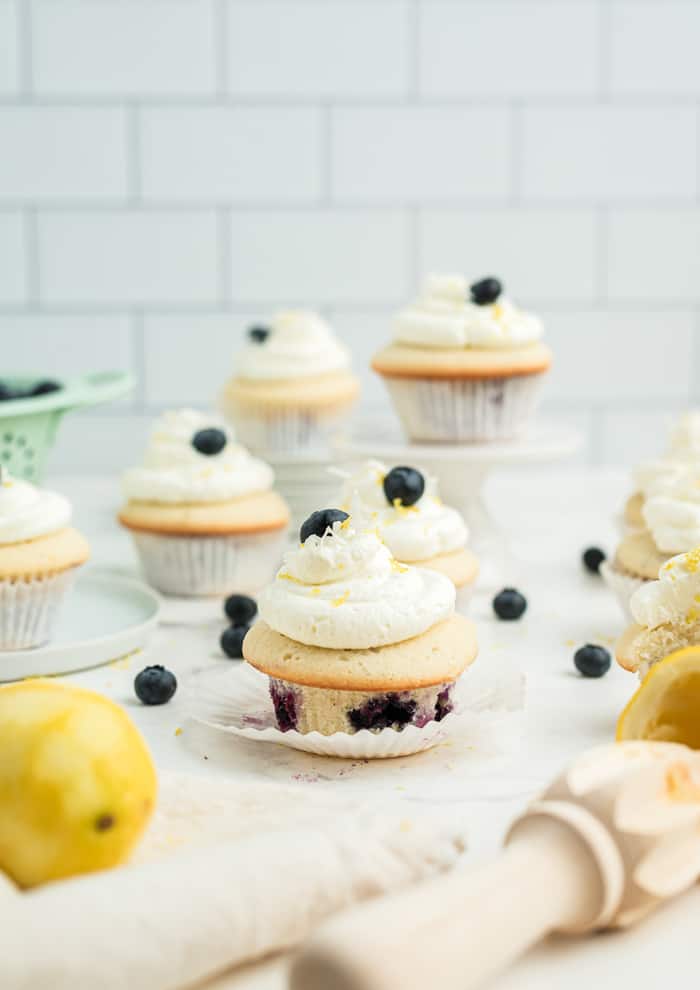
(172, 170)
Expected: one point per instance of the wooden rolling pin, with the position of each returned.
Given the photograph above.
(611, 838)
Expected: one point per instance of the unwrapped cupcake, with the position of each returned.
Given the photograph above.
(293, 387)
(201, 510)
(405, 510)
(39, 555)
(465, 363)
(351, 639)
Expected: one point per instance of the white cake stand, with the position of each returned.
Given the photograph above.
(462, 471)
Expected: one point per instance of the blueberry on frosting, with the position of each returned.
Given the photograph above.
(485, 291)
(404, 486)
(209, 442)
(259, 334)
(320, 521)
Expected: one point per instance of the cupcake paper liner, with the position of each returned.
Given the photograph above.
(287, 431)
(209, 565)
(622, 585)
(28, 609)
(463, 410)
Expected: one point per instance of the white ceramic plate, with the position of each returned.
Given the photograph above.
(103, 619)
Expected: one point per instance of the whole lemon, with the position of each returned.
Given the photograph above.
(77, 783)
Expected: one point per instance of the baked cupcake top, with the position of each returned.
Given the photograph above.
(342, 589)
(192, 458)
(28, 512)
(674, 598)
(296, 344)
(450, 313)
(404, 508)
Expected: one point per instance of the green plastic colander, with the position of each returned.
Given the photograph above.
(28, 426)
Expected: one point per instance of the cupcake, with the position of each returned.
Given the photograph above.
(293, 387)
(201, 510)
(351, 639)
(465, 363)
(404, 509)
(39, 555)
(666, 615)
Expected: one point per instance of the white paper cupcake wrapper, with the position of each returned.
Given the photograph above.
(463, 410)
(287, 431)
(209, 565)
(236, 700)
(622, 585)
(28, 609)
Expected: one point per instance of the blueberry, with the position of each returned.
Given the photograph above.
(155, 685)
(232, 641)
(211, 441)
(45, 387)
(319, 521)
(592, 661)
(240, 609)
(259, 334)
(405, 484)
(592, 558)
(486, 291)
(509, 604)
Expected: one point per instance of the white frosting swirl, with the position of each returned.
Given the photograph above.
(176, 472)
(673, 523)
(300, 345)
(27, 512)
(659, 477)
(414, 533)
(445, 316)
(345, 591)
(674, 598)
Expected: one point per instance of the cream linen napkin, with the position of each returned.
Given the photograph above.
(227, 872)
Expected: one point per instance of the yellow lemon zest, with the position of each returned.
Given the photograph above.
(285, 576)
(341, 599)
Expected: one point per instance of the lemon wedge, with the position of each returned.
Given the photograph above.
(666, 706)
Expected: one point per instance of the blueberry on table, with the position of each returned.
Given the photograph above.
(509, 604)
(592, 661)
(404, 484)
(592, 558)
(319, 521)
(155, 685)
(45, 387)
(232, 641)
(486, 291)
(240, 609)
(210, 441)
(259, 334)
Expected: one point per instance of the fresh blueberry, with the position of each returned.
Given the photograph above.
(240, 609)
(259, 334)
(405, 484)
(509, 604)
(486, 291)
(232, 641)
(319, 521)
(155, 685)
(209, 442)
(592, 661)
(592, 558)
(45, 387)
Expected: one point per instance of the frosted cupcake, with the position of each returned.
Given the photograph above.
(201, 510)
(39, 555)
(293, 387)
(465, 363)
(351, 639)
(404, 509)
(666, 615)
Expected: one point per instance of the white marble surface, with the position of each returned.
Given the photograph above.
(548, 517)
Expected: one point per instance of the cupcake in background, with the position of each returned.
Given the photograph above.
(351, 639)
(403, 508)
(292, 388)
(39, 556)
(465, 363)
(201, 510)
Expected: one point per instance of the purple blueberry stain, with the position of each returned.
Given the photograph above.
(443, 703)
(284, 700)
(383, 712)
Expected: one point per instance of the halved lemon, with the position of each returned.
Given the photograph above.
(666, 706)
